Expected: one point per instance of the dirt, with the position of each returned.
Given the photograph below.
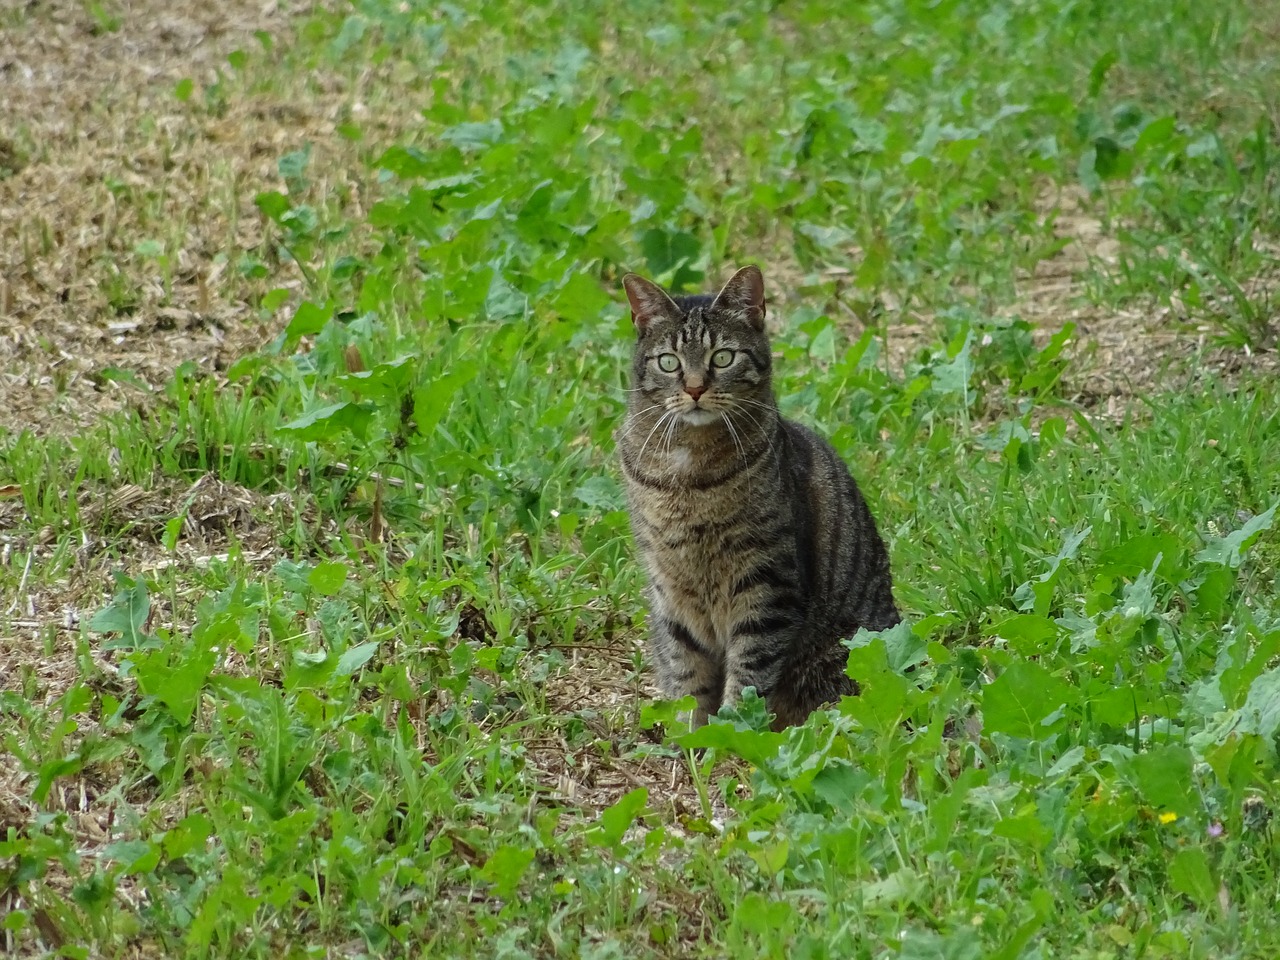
(1115, 355)
(125, 211)
(99, 159)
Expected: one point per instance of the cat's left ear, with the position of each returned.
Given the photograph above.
(744, 294)
(649, 302)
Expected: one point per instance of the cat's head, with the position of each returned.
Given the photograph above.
(701, 358)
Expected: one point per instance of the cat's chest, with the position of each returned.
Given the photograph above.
(696, 561)
(680, 460)
(694, 538)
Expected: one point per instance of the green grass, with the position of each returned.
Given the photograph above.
(307, 739)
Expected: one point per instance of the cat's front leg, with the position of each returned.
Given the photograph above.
(686, 665)
(756, 656)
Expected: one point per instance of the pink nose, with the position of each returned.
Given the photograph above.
(695, 392)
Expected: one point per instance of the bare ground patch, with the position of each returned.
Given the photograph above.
(1116, 354)
(1122, 353)
(125, 212)
(122, 530)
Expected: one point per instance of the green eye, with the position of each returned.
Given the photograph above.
(722, 358)
(668, 362)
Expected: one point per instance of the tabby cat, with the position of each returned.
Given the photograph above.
(760, 551)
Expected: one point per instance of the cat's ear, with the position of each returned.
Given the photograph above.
(744, 294)
(649, 302)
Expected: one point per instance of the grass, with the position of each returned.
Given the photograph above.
(333, 647)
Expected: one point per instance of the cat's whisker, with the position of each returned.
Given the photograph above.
(680, 410)
(645, 445)
(759, 428)
(634, 416)
(671, 429)
(742, 451)
(750, 416)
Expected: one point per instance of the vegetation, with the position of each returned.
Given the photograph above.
(360, 668)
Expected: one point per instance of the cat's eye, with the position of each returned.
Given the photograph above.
(722, 358)
(668, 362)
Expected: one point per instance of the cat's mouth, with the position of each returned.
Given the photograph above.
(699, 416)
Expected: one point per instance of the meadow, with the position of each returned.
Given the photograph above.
(321, 631)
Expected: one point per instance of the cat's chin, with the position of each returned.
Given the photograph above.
(699, 417)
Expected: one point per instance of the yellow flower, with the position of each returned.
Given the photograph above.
(1168, 817)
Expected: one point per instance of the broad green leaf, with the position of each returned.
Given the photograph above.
(755, 746)
(665, 712)
(1098, 72)
(126, 615)
(771, 857)
(1018, 700)
(504, 301)
(385, 383)
(1191, 875)
(293, 166)
(134, 856)
(668, 252)
(1066, 763)
(308, 320)
(432, 401)
(473, 136)
(617, 819)
(1162, 776)
(175, 678)
(1260, 713)
(898, 886)
(839, 783)
(822, 347)
(959, 944)
(505, 867)
(172, 530)
(1139, 554)
(1229, 550)
(331, 421)
(355, 658)
(51, 770)
(1025, 829)
(903, 647)
(882, 703)
(274, 205)
(581, 300)
(1028, 634)
(601, 492)
(406, 162)
(951, 377)
(186, 836)
(1213, 594)
(327, 577)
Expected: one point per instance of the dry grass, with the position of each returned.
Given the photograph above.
(105, 157)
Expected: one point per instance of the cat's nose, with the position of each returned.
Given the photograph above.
(695, 391)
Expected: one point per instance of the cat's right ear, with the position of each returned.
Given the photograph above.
(649, 302)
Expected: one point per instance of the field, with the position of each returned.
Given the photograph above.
(320, 626)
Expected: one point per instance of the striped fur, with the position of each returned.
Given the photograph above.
(761, 553)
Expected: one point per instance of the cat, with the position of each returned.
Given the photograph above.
(760, 552)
